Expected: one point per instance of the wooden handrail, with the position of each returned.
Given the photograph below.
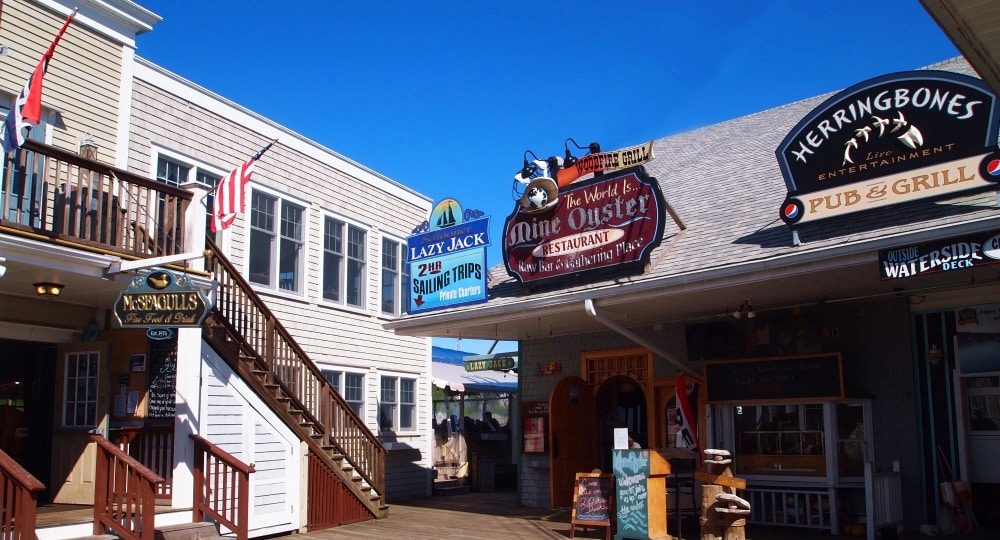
(124, 494)
(50, 194)
(248, 321)
(19, 504)
(221, 487)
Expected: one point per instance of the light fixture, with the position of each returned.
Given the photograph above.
(569, 160)
(934, 355)
(745, 310)
(48, 289)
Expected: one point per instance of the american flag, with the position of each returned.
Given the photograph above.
(230, 194)
(27, 109)
(685, 418)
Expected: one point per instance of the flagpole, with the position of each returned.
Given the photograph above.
(255, 158)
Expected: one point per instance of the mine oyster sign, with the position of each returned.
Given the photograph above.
(161, 300)
(610, 222)
(893, 139)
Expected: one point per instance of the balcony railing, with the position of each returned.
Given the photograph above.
(53, 194)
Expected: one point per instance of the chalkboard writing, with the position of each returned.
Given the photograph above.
(162, 378)
(592, 500)
(818, 376)
(631, 468)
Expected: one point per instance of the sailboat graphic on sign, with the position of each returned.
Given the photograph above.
(447, 219)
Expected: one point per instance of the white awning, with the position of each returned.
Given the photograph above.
(455, 377)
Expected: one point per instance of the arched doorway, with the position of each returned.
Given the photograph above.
(621, 403)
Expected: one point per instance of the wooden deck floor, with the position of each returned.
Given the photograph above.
(498, 515)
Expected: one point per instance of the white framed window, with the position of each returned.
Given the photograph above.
(397, 408)
(80, 389)
(395, 277)
(175, 170)
(345, 262)
(350, 386)
(277, 242)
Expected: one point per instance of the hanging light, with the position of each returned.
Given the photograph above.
(745, 310)
(48, 289)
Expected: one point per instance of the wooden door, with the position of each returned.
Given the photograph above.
(573, 435)
(81, 408)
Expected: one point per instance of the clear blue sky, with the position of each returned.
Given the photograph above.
(445, 96)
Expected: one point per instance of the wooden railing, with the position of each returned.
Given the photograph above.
(124, 494)
(67, 198)
(18, 500)
(153, 446)
(221, 487)
(262, 338)
(331, 503)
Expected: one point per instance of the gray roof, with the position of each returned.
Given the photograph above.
(725, 184)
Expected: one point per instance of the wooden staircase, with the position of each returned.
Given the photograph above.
(244, 332)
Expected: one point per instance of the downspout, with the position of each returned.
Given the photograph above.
(639, 340)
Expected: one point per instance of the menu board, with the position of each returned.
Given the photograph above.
(815, 376)
(162, 378)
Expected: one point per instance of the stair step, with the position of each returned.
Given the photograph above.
(450, 490)
(187, 531)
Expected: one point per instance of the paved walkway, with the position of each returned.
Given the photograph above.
(498, 515)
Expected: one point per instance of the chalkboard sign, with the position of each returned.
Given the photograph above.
(162, 378)
(593, 500)
(631, 469)
(815, 376)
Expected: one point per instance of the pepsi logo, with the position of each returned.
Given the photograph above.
(791, 211)
(993, 167)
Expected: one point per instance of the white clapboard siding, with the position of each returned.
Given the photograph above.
(83, 81)
(239, 422)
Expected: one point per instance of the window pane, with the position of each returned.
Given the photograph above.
(353, 394)
(388, 389)
(261, 238)
(333, 377)
(333, 260)
(355, 266)
(170, 172)
(210, 181)
(390, 273)
(386, 413)
(407, 404)
(81, 390)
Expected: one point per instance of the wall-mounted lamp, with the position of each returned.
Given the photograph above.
(48, 289)
(745, 310)
(934, 355)
(569, 160)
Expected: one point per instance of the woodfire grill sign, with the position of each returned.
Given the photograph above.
(611, 222)
(161, 300)
(893, 139)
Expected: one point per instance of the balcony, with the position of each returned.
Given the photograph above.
(53, 195)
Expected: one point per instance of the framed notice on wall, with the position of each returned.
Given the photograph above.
(534, 426)
(534, 435)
